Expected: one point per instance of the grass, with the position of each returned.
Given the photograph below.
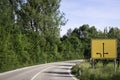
(84, 71)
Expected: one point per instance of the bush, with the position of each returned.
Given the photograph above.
(75, 70)
(101, 72)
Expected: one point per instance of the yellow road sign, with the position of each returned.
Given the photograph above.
(104, 48)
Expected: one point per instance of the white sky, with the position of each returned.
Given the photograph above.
(98, 13)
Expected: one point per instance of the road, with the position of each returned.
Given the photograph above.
(49, 71)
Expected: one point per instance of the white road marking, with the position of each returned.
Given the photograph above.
(40, 72)
(52, 67)
(19, 69)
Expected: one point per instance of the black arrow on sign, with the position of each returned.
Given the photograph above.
(103, 52)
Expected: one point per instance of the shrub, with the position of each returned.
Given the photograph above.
(101, 72)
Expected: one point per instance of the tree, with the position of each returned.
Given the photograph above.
(29, 31)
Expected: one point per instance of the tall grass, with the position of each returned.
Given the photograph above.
(84, 71)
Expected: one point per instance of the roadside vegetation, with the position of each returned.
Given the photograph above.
(84, 71)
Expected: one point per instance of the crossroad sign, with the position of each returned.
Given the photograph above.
(104, 48)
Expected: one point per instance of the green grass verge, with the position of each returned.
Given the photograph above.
(84, 71)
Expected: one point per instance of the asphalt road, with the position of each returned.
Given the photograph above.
(50, 71)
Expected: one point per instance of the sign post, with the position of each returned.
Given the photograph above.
(93, 65)
(115, 65)
(104, 49)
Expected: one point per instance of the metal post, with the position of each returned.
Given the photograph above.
(115, 65)
(93, 66)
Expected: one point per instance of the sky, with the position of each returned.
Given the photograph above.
(98, 13)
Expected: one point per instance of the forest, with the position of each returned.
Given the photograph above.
(30, 34)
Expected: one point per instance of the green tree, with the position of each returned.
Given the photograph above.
(29, 32)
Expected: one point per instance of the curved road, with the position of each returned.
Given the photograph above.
(50, 71)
